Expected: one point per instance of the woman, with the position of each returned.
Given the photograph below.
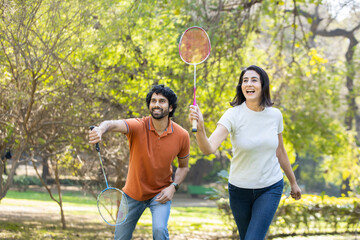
(255, 179)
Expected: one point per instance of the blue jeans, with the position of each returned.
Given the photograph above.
(160, 216)
(254, 209)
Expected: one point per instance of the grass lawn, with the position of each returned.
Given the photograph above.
(34, 215)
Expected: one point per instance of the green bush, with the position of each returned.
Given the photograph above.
(24, 181)
(317, 215)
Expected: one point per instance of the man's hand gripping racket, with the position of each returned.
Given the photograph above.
(111, 202)
(194, 48)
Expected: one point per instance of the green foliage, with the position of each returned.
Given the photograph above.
(23, 181)
(317, 214)
(314, 178)
(68, 162)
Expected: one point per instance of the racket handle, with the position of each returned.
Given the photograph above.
(97, 147)
(194, 126)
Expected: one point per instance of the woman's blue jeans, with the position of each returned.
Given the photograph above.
(254, 209)
(160, 216)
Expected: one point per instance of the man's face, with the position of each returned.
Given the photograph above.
(159, 106)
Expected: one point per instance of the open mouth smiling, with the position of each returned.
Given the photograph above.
(157, 111)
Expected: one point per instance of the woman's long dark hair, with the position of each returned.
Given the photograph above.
(265, 88)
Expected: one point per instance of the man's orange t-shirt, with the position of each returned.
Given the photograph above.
(151, 156)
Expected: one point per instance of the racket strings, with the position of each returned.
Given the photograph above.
(194, 46)
(112, 205)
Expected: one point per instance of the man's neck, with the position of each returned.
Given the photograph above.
(160, 124)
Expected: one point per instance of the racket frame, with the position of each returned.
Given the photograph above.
(208, 54)
(123, 201)
(194, 122)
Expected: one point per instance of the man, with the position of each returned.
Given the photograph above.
(155, 141)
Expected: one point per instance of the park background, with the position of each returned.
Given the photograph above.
(69, 64)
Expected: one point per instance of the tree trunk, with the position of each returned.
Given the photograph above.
(57, 180)
(45, 169)
(352, 111)
(2, 167)
(6, 185)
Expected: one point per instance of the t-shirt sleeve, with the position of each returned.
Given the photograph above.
(281, 124)
(133, 125)
(225, 120)
(185, 147)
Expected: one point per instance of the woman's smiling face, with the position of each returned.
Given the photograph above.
(251, 86)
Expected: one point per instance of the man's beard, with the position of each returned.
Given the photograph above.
(160, 115)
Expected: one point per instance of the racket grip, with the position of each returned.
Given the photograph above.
(194, 126)
(97, 146)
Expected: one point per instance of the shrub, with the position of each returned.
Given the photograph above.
(23, 182)
(317, 215)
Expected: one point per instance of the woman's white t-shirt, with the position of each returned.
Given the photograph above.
(254, 138)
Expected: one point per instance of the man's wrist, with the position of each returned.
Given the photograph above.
(175, 185)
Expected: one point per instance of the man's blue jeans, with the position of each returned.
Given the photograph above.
(160, 216)
(254, 209)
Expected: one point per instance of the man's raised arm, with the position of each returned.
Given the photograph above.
(107, 126)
